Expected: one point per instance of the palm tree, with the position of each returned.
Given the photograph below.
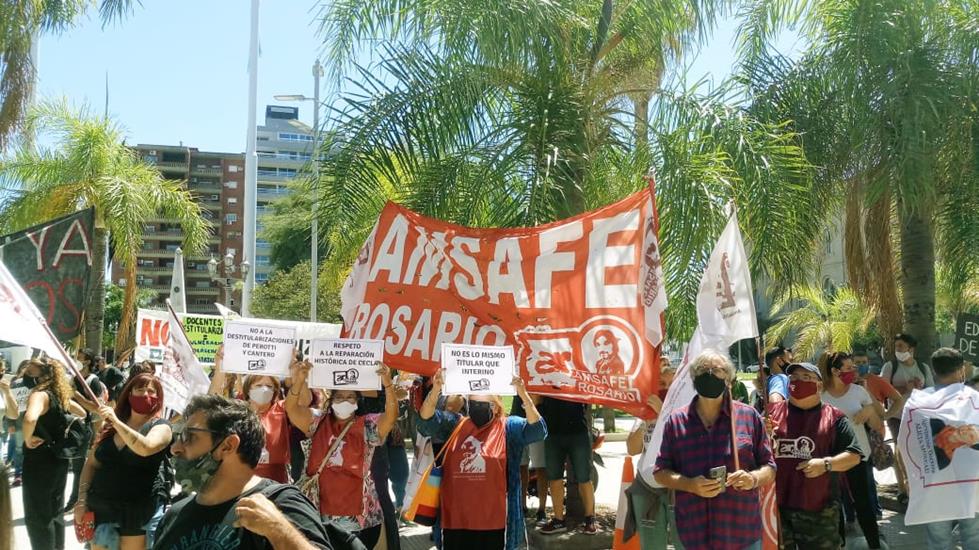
(503, 113)
(90, 165)
(21, 24)
(885, 103)
(821, 322)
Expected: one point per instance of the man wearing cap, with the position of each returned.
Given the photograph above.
(814, 443)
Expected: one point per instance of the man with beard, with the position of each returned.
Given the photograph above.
(607, 346)
(215, 454)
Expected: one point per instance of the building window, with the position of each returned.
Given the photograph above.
(287, 136)
(231, 184)
(261, 277)
(202, 284)
(261, 242)
(232, 200)
(230, 219)
(202, 302)
(233, 168)
(261, 260)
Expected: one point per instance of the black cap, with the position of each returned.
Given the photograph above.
(808, 366)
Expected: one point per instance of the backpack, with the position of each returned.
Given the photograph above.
(340, 539)
(71, 433)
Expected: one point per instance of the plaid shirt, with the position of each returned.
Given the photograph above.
(732, 519)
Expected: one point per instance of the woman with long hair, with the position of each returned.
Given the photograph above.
(346, 473)
(122, 481)
(839, 390)
(44, 473)
(264, 396)
(481, 507)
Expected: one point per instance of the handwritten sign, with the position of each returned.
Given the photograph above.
(967, 336)
(478, 370)
(21, 393)
(251, 348)
(342, 364)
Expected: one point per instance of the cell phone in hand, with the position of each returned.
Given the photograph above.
(720, 474)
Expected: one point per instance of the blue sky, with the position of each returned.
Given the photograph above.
(177, 68)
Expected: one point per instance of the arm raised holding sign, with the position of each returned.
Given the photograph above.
(390, 416)
(299, 414)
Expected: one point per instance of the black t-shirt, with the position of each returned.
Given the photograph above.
(846, 438)
(189, 525)
(96, 385)
(564, 417)
(124, 476)
(113, 379)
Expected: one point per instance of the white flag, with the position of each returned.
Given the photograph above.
(939, 443)
(725, 314)
(182, 375)
(21, 322)
(178, 296)
(653, 291)
(352, 293)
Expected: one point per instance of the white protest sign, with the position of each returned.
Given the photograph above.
(21, 394)
(478, 370)
(341, 364)
(305, 331)
(252, 348)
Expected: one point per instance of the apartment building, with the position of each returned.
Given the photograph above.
(217, 182)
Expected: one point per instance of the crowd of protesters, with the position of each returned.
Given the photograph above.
(265, 462)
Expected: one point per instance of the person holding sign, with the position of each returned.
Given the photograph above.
(480, 488)
(263, 394)
(342, 450)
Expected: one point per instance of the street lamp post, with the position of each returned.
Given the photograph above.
(227, 281)
(315, 159)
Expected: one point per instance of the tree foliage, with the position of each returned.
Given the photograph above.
(88, 164)
(286, 296)
(22, 22)
(492, 113)
(820, 322)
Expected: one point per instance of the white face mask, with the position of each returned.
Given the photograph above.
(343, 409)
(260, 395)
(902, 356)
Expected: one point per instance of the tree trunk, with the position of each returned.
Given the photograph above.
(640, 103)
(608, 419)
(124, 334)
(918, 279)
(95, 310)
(882, 271)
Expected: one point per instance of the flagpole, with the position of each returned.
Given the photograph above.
(70, 363)
(734, 436)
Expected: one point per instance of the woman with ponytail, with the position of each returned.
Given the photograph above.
(123, 482)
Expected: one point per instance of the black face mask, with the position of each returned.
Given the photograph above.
(29, 381)
(480, 412)
(708, 385)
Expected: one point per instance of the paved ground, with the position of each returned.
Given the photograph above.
(898, 536)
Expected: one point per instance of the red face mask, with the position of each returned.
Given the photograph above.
(801, 389)
(848, 377)
(143, 404)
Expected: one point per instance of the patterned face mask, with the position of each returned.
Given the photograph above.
(193, 474)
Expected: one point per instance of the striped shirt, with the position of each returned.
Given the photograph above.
(732, 519)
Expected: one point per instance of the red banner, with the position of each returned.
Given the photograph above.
(580, 299)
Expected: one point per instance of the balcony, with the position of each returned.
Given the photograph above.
(171, 165)
(205, 170)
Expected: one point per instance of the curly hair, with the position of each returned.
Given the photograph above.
(53, 378)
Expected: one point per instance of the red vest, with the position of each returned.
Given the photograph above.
(342, 480)
(801, 435)
(275, 458)
(474, 478)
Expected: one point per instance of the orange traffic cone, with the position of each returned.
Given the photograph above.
(628, 475)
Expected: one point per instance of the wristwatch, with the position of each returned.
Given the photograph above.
(829, 465)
